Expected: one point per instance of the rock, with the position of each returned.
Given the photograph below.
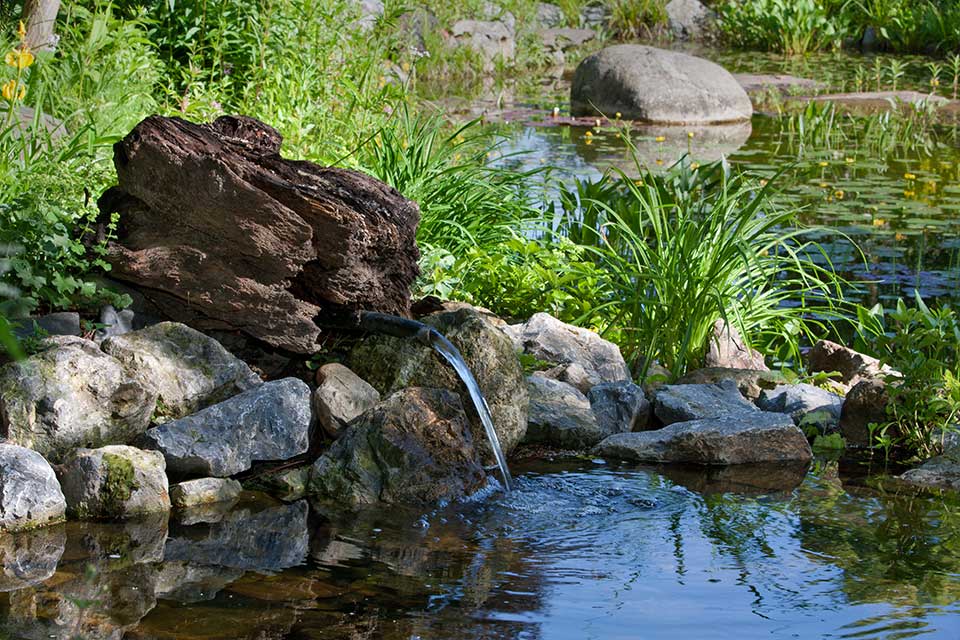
(204, 491)
(683, 402)
(415, 447)
(730, 439)
(865, 404)
(115, 323)
(30, 557)
(869, 42)
(750, 382)
(620, 407)
(689, 19)
(726, 348)
(184, 583)
(560, 416)
(269, 422)
(112, 482)
(595, 15)
(655, 85)
(806, 404)
(340, 397)
(829, 357)
(370, 11)
(71, 395)
(62, 323)
(546, 338)
(390, 364)
(188, 370)
(414, 27)
(287, 484)
(220, 232)
(492, 40)
(573, 374)
(30, 495)
(756, 83)
(563, 39)
(880, 101)
(939, 472)
(494, 12)
(549, 16)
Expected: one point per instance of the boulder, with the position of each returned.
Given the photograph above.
(620, 407)
(494, 11)
(220, 232)
(390, 364)
(72, 395)
(830, 357)
(413, 28)
(750, 382)
(560, 416)
(115, 323)
(340, 397)
(595, 15)
(573, 374)
(683, 402)
(489, 39)
(61, 323)
(548, 339)
(655, 85)
(726, 348)
(370, 11)
(269, 422)
(549, 16)
(865, 404)
(285, 484)
(189, 370)
(30, 495)
(806, 404)
(415, 447)
(565, 38)
(204, 491)
(939, 472)
(689, 19)
(112, 482)
(729, 439)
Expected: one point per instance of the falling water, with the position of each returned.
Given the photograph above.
(404, 328)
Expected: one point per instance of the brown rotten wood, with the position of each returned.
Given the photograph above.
(221, 232)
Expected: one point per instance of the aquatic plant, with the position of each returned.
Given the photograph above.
(794, 27)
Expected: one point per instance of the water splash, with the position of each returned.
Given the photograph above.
(405, 328)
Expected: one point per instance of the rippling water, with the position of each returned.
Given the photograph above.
(577, 550)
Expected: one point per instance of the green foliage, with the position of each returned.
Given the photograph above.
(831, 442)
(922, 344)
(8, 341)
(631, 19)
(794, 27)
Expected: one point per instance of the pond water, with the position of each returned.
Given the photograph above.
(579, 550)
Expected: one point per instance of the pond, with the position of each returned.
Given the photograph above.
(579, 550)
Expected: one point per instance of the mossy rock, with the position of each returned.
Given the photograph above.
(114, 482)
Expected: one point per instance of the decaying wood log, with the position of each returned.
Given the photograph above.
(221, 232)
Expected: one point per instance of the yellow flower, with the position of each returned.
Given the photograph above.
(763, 182)
(619, 115)
(839, 194)
(639, 183)
(690, 134)
(909, 194)
(588, 141)
(588, 134)
(661, 138)
(909, 176)
(405, 67)
(824, 185)
(694, 165)
(824, 163)
(899, 236)
(879, 222)
(934, 82)
(849, 160)
(11, 92)
(19, 59)
(659, 162)
(22, 31)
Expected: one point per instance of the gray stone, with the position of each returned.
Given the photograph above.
(116, 481)
(115, 323)
(595, 15)
(268, 422)
(869, 42)
(806, 404)
(689, 19)
(30, 495)
(184, 583)
(865, 404)
(940, 472)
(30, 557)
(62, 323)
(370, 11)
(683, 402)
(750, 382)
(204, 491)
(548, 339)
(494, 12)
(490, 39)
(286, 484)
(414, 27)
(189, 370)
(620, 407)
(560, 416)
(563, 39)
(830, 357)
(730, 439)
(549, 16)
(341, 396)
(573, 374)
(72, 395)
(726, 348)
(655, 85)
(391, 364)
(754, 82)
(415, 448)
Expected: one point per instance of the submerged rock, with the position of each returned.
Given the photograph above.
(30, 495)
(729, 439)
(114, 482)
(620, 407)
(682, 402)
(30, 557)
(391, 364)
(656, 85)
(341, 396)
(415, 447)
(806, 404)
(560, 416)
(189, 370)
(268, 422)
(939, 472)
(727, 348)
(204, 491)
(72, 395)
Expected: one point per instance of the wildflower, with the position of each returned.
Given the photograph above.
(639, 183)
(405, 67)
(22, 31)
(619, 115)
(661, 138)
(849, 160)
(694, 165)
(934, 82)
(588, 134)
(879, 222)
(12, 91)
(824, 163)
(690, 135)
(838, 194)
(824, 185)
(763, 182)
(909, 194)
(19, 59)
(910, 176)
(900, 236)
(659, 162)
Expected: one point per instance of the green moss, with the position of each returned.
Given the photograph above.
(118, 484)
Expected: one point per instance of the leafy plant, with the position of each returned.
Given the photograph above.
(794, 27)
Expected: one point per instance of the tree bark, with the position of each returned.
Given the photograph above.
(40, 18)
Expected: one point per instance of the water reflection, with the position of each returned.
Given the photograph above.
(578, 550)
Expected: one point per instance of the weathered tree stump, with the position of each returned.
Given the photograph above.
(220, 232)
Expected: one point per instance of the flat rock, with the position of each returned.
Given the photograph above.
(729, 439)
(72, 395)
(268, 422)
(189, 370)
(683, 402)
(750, 382)
(726, 348)
(656, 85)
(190, 493)
(620, 407)
(756, 82)
(806, 404)
(112, 482)
(560, 416)
(30, 494)
(940, 472)
(566, 38)
(415, 447)
(873, 101)
(341, 396)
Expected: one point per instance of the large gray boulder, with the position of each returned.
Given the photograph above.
(415, 447)
(548, 339)
(30, 495)
(391, 364)
(619, 407)
(113, 482)
(655, 85)
(268, 422)
(806, 404)
(72, 395)
(730, 439)
(560, 416)
(189, 370)
(341, 396)
(683, 402)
